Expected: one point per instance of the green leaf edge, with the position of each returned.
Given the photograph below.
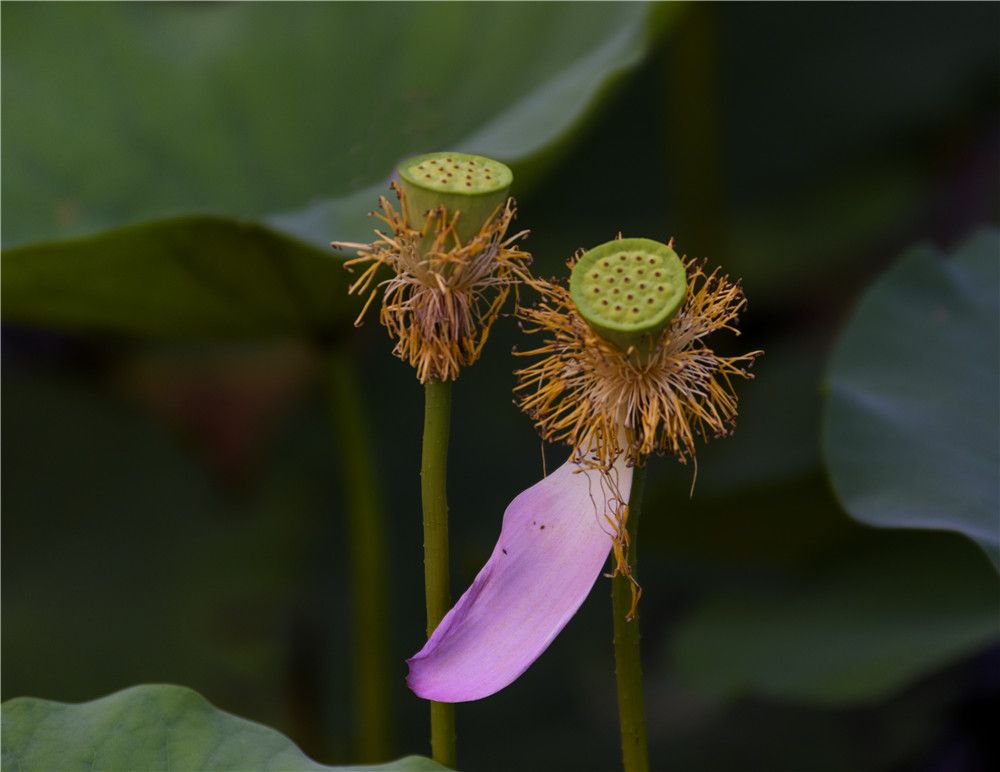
(991, 232)
(25, 312)
(13, 711)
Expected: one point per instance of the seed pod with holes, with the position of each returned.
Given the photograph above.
(473, 185)
(628, 289)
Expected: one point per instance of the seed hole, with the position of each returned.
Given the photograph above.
(622, 258)
(619, 269)
(657, 274)
(642, 285)
(635, 310)
(618, 308)
(638, 258)
(649, 301)
(627, 280)
(630, 296)
(652, 261)
(595, 275)
(616, 291)
(661, 288)
(605, 302)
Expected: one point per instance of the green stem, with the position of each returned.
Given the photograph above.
(433, 479)
(368, 562)
(694, 147)
(628, 666)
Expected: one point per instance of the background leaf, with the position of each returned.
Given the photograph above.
(249, 113)
(911, 423)
(250, 110)
(848, 629)
(195, 277)
(152, 727)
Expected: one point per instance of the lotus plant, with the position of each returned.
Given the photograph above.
(451, 267)
(623, 371)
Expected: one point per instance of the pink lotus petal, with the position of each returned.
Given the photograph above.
(553, 544)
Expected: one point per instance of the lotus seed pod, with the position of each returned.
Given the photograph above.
(628, 289)
(470, 184)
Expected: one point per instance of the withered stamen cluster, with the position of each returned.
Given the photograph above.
(443, 296)
(602, 401)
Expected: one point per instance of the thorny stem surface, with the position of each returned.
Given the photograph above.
(628, 667)
(433, 479)
(368, 563)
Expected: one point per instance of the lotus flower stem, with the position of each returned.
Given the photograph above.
(433, 480)
(368, 562)
(628, 666)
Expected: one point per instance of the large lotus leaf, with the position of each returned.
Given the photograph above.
(116, 113)
(152, 727)
(288, 114)
(864, 623)
(912, 418)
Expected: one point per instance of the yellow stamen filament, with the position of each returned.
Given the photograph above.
(443, 296)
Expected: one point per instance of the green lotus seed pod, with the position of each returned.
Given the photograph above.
(628, 288)
(470, 184)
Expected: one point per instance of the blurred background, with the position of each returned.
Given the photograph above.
(190, 420)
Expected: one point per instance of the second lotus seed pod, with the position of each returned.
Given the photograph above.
(628, 288)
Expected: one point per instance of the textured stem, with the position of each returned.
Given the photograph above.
(433, 479)
(628, 666)
(368, 563)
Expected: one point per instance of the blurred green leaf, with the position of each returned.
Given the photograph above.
(859, 627)
(184, 277)
(911, 421)
(250, 110)
(792, 244)
(124, 563)
(152, 727)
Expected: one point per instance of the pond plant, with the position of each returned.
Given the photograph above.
(623, 372)
(453, 266)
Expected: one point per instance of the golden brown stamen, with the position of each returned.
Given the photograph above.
(444, 295)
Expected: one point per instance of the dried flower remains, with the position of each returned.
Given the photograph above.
(445, 291)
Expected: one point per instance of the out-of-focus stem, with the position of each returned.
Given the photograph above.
(628, 666)
(695, 146)
(367, 561)
(433, 481)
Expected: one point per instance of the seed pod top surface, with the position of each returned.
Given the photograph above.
(471, 184)
(628, 288)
